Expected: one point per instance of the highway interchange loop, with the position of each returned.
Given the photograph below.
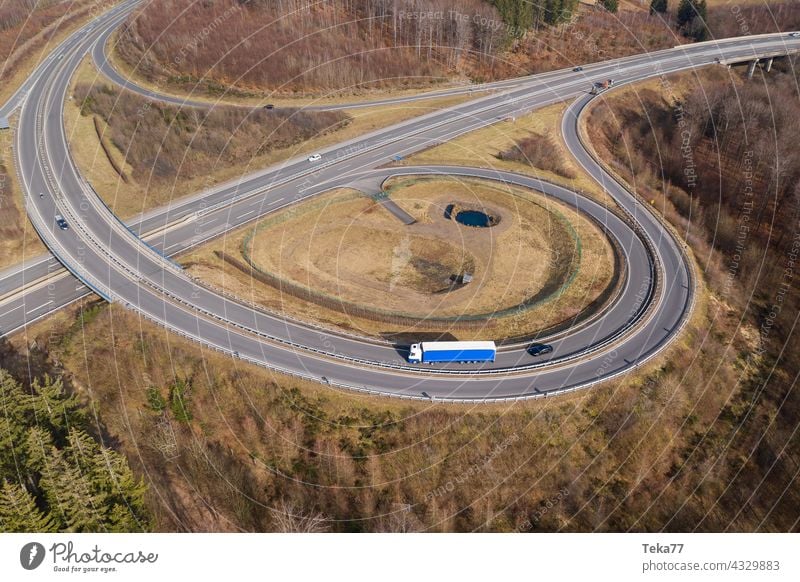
(110, 259)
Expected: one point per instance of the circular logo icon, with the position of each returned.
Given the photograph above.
(31, 555)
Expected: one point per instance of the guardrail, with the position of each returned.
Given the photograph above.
(400, 396)
(669, 228)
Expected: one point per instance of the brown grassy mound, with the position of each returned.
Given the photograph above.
(165, 143)
(539, 151)
(356, 257)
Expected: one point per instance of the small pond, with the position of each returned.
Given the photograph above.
(473, 218)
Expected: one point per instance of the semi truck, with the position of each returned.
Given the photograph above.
(600, 86)
(452, 352)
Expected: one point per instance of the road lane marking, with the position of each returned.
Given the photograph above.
(245, 214)
(10, 311)
(38, 308)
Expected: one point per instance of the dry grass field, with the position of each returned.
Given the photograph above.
(485, 147)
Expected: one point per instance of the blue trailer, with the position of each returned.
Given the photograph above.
(453, 352)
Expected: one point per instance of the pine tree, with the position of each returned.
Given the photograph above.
(658, 6)
(109, 475)
(66, 488)
(54, 407)
(528, 14)
(688, 10)
(63, 478)
(83, 451)
(126, 492)
(82, 504)
(19, 513)
(610, 5)
(692, 19)
(45, 464)
(15, 407)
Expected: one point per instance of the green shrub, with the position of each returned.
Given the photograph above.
(155, 400)
(179, 400)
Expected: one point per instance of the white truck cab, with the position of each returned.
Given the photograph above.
(415, 354)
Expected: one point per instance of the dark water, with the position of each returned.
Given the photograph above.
(472, 218)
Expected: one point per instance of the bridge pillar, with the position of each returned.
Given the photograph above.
(768, 64)
(751, 68)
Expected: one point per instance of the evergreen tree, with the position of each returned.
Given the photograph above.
(82, 504)
(109, 477)
(527, 14)
(688, 10)
(19, 513)
(692, 19)
(15, 409)
(126, 496)
(658, 6)
(54, 476)
(45, 465)
(52, 406)
(610, 5)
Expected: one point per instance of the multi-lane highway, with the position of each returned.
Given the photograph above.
(114, 262)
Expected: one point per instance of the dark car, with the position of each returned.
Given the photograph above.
(269, 106)
(578, 69)
(540, 349)
(62, 224)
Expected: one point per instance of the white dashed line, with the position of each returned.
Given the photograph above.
(245, 214)
(11, 311)
(38, 308)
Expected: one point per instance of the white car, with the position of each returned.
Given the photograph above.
(314, 158)
(794, 34)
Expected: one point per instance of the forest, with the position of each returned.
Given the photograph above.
(296, 47)
(56, 474)
(15, 13)
(26, 25)
(303, 47)
(720, 161)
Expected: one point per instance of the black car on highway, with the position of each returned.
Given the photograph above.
(540, 349)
